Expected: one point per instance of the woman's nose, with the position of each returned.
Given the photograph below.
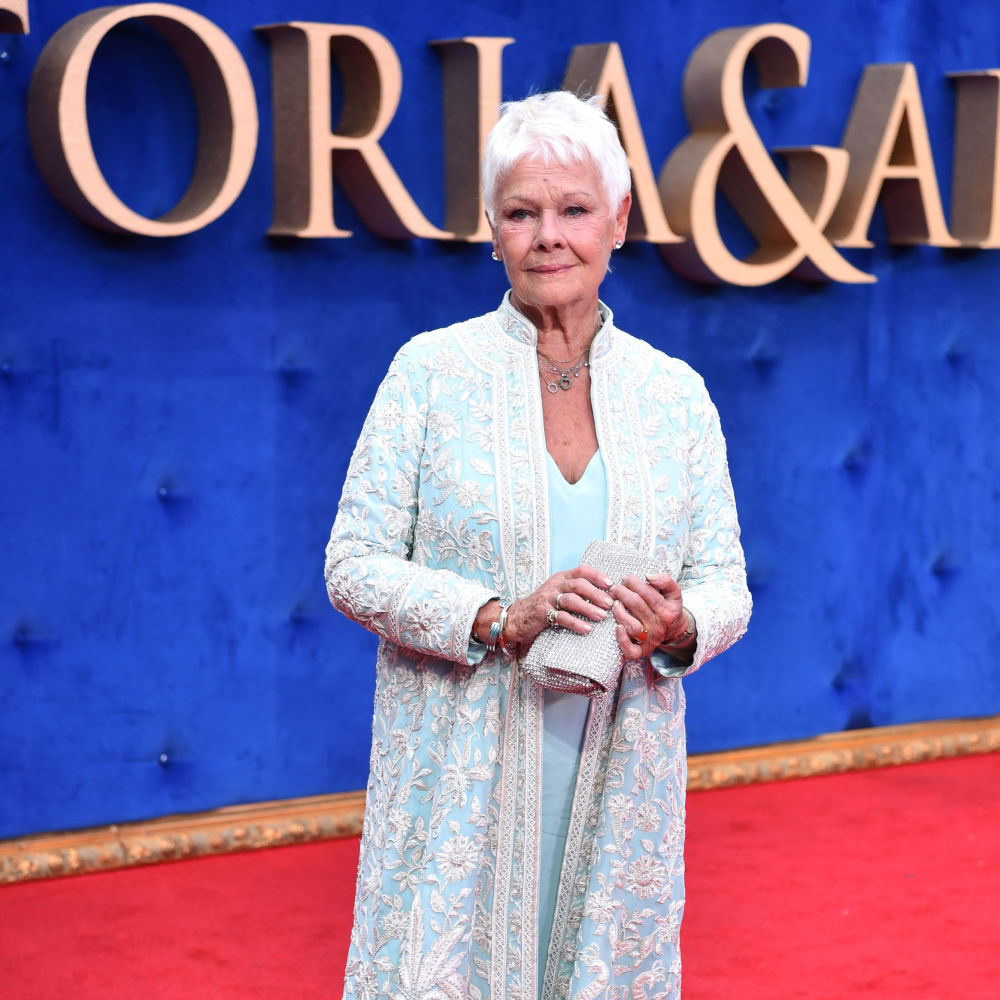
(548, 233)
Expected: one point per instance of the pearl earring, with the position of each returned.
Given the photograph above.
(618, 244)
(495, 255)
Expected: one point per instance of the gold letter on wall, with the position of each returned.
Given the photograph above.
(787, 218)
(14, 17)
(227, 119)
(600, 69)
(304, 147)
(886, 138)
(975, 183)
(472, 95)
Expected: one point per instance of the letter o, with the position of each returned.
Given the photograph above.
(227, 119)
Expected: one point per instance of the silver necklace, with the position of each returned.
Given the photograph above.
(561, 373)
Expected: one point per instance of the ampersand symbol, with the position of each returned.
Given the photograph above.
(787, 217)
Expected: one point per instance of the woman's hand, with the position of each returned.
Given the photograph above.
(558, 601)
(650, 613)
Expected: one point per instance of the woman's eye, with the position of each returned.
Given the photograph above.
(519, 214)
(575, 210)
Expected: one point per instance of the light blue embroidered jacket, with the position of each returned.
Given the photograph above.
(445, 507)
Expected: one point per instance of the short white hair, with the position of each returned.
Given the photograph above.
(555, 127)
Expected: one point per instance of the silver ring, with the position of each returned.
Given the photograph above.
(551, 615)
(559, 598)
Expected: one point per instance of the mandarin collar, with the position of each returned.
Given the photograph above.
(520, 328)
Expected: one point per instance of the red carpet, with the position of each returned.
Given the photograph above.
(881, 884)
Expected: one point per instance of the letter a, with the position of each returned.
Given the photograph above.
(890, 157)
(600, 69)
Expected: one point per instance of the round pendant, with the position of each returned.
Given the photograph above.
(551, 386)
(564, 382)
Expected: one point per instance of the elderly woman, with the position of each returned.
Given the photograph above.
(521, 842)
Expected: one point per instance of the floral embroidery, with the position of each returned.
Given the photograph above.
(457, 858)
(645, 877)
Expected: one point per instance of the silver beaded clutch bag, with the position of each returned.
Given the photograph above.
(588, 664)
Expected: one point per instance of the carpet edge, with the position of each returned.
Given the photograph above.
(324, 817)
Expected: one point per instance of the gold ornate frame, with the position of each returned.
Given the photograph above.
(325, 817)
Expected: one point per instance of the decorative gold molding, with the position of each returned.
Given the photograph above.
(855, 750)
(173, 838)
(325, 817)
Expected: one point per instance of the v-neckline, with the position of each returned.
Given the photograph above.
(555, 465)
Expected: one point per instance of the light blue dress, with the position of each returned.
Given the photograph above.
(578, 515)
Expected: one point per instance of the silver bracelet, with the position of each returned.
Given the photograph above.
(496, 629)
(504, 648)
(688, 632)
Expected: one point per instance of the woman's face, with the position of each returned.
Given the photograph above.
(554, 231)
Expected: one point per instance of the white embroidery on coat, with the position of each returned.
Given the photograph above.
(444, 506)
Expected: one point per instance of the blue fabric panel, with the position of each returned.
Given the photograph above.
(176, 417)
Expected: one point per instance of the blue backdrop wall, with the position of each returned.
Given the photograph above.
(177, 414)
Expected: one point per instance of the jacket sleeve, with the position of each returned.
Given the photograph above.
(370, 575)
(713, 577)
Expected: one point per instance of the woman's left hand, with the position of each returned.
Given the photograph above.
(649, 612)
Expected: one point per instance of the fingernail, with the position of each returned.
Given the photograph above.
(608, 603)
(601, 614)
(586, 627)
(608, 581)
